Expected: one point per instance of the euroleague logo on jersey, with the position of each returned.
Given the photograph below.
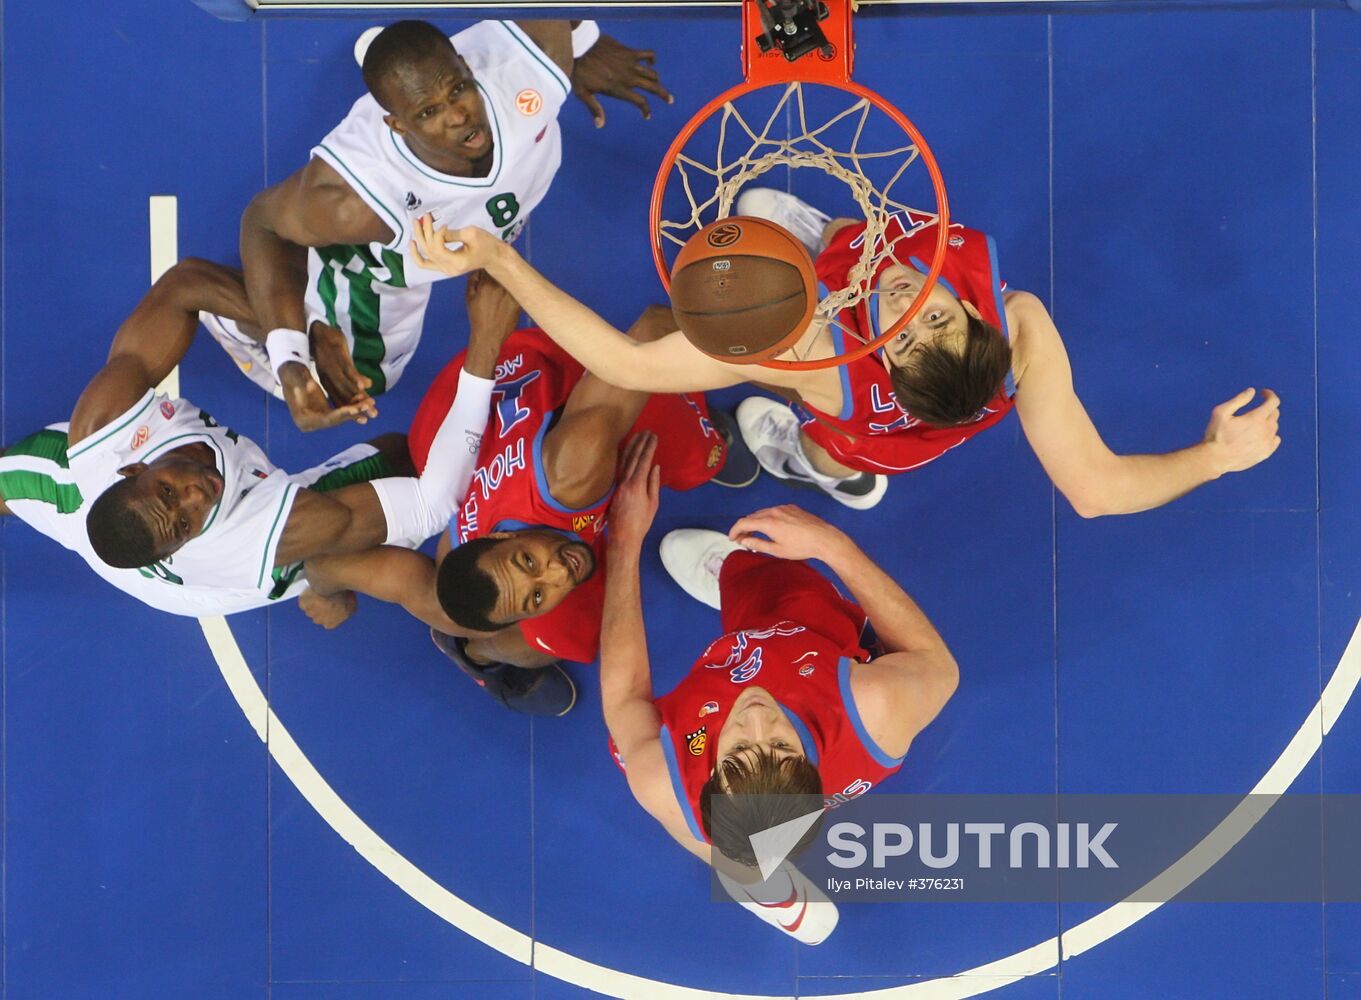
(528, 102)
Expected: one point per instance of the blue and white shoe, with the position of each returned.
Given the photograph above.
(541, 691)
(740, 467)
(771, 431)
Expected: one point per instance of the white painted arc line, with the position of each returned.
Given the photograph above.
(341, 818)
(973, 982)
(163, 213)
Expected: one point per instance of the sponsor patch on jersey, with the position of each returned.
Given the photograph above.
(695, 742)
(805, 670)
(141, 436)
(528, 102)
(259, 473)
(412, 202)
(956, 241)
(581, 522)
(167, 409)
(708, 708)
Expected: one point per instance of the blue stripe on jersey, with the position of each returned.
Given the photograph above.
(843, 675)
(541, 478)
(839, 346)
(1001, 310)
(924, 269)
(810, 749)
(677, 786)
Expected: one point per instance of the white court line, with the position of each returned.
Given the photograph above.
(163, 211)
(972, 982)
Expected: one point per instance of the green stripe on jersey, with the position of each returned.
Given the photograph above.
(48, 444)
(21, 484)
(375, 466)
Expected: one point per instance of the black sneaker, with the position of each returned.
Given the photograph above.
(740, 467)
(541, 691)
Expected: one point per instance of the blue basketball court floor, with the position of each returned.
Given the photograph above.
(286, 813)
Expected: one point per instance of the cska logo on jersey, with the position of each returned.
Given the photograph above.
(140, 438)
(528, 102)
(167, 409)
(715, 456)
(695, 742)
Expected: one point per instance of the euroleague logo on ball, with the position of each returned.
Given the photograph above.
(725, 235)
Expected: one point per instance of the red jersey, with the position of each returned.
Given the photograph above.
(804, 663)
(509, 488)
(872, 432)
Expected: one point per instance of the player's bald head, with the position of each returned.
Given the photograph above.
(401, 56)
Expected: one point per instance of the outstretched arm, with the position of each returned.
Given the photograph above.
(625, 674)
(313, 207)
(900, 692)
(670, 364)
(398, 510)
(396, 575)
(152, 341)
(1095, 479)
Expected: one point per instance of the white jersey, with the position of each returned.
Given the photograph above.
(522, 91)
(229, 567)
(376, 294)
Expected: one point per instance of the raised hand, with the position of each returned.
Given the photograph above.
(790, 533)
(1239, 441)
(308, 405)
(328, 612)
(635, 498)
(615, 70)
(336, 369)
(476, 248)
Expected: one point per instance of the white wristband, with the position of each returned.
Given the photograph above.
(284, 345)
(584, 35)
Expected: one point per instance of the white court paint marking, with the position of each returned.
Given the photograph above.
(611, 982)
(163, 210)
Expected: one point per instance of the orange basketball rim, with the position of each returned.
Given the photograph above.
(829, 68)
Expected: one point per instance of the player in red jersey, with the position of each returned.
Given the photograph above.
(967, 356)
(520, 579)
(797, 696)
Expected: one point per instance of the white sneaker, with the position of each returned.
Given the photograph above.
(694, 557)
(789, 901)
(795, 214)
(771, 432)
(362, 43)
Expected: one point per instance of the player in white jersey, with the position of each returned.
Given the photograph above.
(188, 516)
(463, 129)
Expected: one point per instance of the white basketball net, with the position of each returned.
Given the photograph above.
(745, 153)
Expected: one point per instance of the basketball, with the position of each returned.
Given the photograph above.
(743, 289)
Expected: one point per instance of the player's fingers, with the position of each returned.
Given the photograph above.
(593, 106)
(634, 98)
(644, 55)
(654, 86)
(654, 483)
(1238, 402)
(756, 521)
(754, 543)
